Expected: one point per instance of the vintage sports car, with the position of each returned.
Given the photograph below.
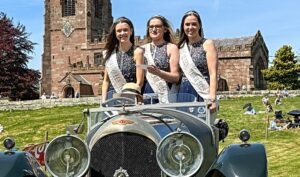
(15, 163)
(125, 139)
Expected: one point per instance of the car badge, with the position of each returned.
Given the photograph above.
(121, 172)
(122, 122)
(201, 110)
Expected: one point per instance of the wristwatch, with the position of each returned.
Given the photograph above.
(212, 100)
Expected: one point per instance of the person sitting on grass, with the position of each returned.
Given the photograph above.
(278, 100)
(274, 125)
(269, 108)
(250, 110)
(290, 122)
(265, 100)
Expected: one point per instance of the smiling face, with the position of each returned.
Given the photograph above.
(156, 29)
(123, 32)
(191, 27)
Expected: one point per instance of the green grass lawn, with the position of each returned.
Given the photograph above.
(283, 147)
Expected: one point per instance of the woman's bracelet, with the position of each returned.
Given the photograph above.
(212, 100)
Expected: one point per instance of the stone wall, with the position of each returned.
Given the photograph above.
(234, 94)
(50, 103)
(47, 103)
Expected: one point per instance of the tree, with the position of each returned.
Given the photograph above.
(17, 81)
(285, 72)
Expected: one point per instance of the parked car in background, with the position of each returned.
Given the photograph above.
(14, 163)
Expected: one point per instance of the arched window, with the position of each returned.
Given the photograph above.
(68, 7)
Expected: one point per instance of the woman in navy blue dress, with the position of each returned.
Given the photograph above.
(121, 58)
(198, 60)
(161, 57)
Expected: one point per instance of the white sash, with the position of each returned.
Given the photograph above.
(192, 73)
(159, 85)
(115, 75)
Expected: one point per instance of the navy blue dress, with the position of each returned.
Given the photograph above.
(161, 60)
(199, 58)
(127, 67)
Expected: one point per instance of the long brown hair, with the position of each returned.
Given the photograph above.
(183, 38)
(168, 35)
(112, 41)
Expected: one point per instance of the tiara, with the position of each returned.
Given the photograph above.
(192, 12)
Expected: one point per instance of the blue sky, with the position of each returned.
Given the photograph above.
(278, 20)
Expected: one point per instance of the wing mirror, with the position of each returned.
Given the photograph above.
(75, 129)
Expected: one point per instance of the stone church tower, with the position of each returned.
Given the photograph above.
(75, 35)
(71, 62)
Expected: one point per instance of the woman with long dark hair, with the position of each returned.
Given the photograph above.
(198, 60)
(121, 58)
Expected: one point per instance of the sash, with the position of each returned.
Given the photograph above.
(115, 75)
(159, 85)
(192, 73)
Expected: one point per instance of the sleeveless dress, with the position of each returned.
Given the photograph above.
(127, 67)
(161, 60)
(199, 58)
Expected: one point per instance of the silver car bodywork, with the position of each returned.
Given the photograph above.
(175, 139)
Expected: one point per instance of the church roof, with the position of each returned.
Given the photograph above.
(241, 47)
(78, 78)
(81, 79)
(241, 41)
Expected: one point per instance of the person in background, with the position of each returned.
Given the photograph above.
(250, 110)
(244, 88)
(269, 108)
(121, 58)
(238, 87)
(198, 60)
(274, 125)
(290, 122)
(285, 93)
(265, 100)
(53, 96)
(278, 100)
(43, 97)
(278, 92)
(161, 56)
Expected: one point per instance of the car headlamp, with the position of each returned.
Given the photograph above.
(244, 135)
(179, 154)
(67, 155)
(9, 143)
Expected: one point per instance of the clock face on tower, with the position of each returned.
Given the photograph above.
(67, 29)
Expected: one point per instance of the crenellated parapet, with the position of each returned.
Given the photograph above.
(234, 47)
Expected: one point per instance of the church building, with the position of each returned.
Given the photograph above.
(75, 35)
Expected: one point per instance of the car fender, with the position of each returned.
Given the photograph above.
(19, 163)
(241, 160)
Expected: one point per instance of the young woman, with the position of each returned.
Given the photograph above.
(198, 60)
(161, 57)
(121, 58)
